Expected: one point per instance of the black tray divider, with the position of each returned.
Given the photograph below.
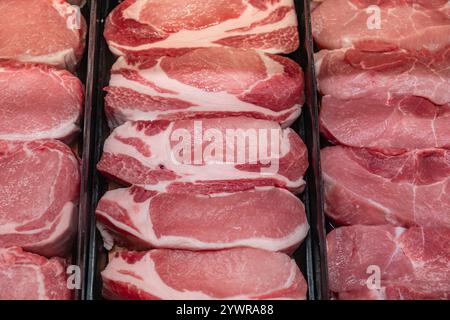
(312, 135)
(85, 72)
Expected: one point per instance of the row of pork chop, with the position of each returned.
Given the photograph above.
(197, 223)
(384, 73)
(40, 108)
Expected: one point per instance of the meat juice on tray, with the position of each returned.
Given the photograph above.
(383, 74)
(187, 83)
(40, 177)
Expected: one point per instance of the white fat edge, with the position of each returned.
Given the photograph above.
(108, 239)
(71, 13)
(40, 279)
(272, 67)
(66, 223)
(154, 285)
(266, 243)
(207, 36)
(226, 194)
(200, 99)
(318, 63)
(142, 220)
(152, 282)
(187, 173)
(63, 58)
(138, 213)
(399, 231)
(292, 117)
(64, 130)
(124, 115)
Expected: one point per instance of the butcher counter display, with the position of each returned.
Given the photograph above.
(238, 150)
(41, 107)
(384, 75)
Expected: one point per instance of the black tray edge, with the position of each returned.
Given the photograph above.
(317, 217)
(84, 217)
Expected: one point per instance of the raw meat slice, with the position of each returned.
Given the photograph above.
(363, 186)
(28, 276)
(45, 31)
(409, 263)
(240, 273)
(206, 156)
(172, 26)
(138, 218)
(39, 188)
(38, 102)
(409, 24)
(206, 82)
(402, 123)
(394, 292)
(351, 73)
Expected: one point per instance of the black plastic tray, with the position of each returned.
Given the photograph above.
(310, 256)
(85, 73)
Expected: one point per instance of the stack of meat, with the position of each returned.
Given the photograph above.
(200, 104)
(384, 73)
(40, 108)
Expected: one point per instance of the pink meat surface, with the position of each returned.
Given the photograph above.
(138, 219)
(174, 26)
(411, 263)
(363, 186)
(39, 188)
(352, 73)
(45, 31)
(402, 123)
(206, 82)
(38, 102)
(240, 273)
(28, 276)
(409, 24)
(206, 156)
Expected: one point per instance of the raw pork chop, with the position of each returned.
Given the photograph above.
(240, 273)
(369, 187)
(27, 276)
(409, 24)
(38, 102)
(351, 73)
(171, 26)
(206, 82)
(146, 219)
(377, 123)
(208, 156)
(413, 263)
(44, 31)
(39, 187)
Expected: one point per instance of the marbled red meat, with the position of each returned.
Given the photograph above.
(38, 102)
(39, 189)
(28, 276)
(351, 73)
(207, 155)
(240, 273)
(140, 219)
(45, 31)
(207, 82)
(401, 123)
(409, 24)
(364, 186)
(409, 263)
(174, 26)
